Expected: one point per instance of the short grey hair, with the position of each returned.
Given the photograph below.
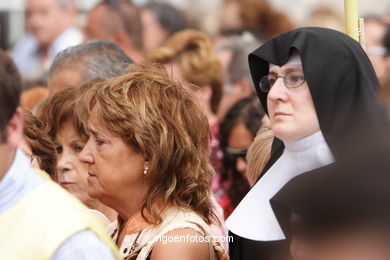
(240, 46)
(96, 60)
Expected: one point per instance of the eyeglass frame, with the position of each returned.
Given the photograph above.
(286, 84)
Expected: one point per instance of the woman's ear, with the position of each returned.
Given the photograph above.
(147, 164)
(147, 161)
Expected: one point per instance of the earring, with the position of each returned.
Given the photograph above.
(146, 170)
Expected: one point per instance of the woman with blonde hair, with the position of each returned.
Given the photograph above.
(148, 158)
(259, 151)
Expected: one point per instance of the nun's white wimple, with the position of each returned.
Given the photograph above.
(295, 59)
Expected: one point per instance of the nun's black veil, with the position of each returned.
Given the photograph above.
(349, 192)
(340, 77)
(343, 86)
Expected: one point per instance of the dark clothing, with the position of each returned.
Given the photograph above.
(343, 86)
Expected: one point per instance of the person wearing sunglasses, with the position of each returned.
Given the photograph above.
(237, 132)
(318, 88)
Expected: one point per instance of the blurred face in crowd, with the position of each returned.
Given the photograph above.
(96, 26)
(202, 93)
(291, 110)
(64, 78)
(47, 19)
(115, 168)
(9, 141)
(374, 34)
(152, 32)
(230, 17)
(344, 244)
(71, 173)
(239, 140)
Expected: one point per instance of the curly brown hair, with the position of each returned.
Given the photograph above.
(40, 143)
(58, 109)
(192, 50)
(162, 120)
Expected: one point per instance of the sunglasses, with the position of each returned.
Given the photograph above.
(236, 153)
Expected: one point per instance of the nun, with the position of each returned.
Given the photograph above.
(340, 211)
(319, 90)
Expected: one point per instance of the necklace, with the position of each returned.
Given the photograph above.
(135, 244)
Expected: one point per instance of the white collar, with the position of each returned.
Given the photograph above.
(305, 143)
(253, 218)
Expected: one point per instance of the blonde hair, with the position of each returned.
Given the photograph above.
(193, 52)
(259, 151)
(162, 120)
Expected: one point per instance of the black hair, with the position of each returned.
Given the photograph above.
(247, 111)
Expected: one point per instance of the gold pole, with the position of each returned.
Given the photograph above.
(351, 18)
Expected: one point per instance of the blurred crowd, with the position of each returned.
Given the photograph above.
(205, 114)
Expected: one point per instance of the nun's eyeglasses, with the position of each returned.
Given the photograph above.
(292, 79)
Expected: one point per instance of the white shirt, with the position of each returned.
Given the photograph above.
(26, 52)
(19, 181)
(254, 218)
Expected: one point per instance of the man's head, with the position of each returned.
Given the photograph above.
(117, 21)
(91, 60)
(11, 126)
(375, 29)
(47, 19)
(233, 55)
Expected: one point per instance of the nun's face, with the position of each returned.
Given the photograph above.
(291, 110)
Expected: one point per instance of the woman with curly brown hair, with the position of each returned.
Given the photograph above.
(69, 138)
(148, 158)
(189, 57)
(37, 145)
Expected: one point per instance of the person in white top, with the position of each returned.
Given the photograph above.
(49, 30)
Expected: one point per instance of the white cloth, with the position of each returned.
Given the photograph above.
(26, 52)
(295, 59)
(19, 181)
(254, 218)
